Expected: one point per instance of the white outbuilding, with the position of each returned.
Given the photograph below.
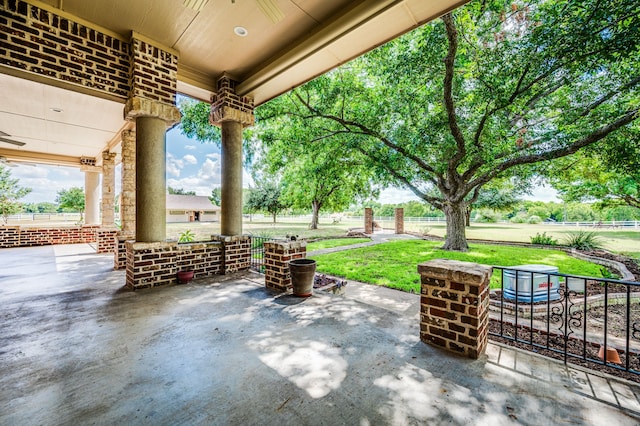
(191, 208)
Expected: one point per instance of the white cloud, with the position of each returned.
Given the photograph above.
(189, 147)
(210, 171)
(174, 165)
(396, 196)
(190, 159)
(543, 193)
(46, 181)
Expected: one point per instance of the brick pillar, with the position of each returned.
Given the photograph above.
(128, 203)
(454, 305)
(368, 220)
(399, 219)
(277, 255)
(108, 189)
(236, 252)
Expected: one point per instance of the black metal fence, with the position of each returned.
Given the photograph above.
(582, 320)
(257, 252)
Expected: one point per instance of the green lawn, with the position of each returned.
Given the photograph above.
(624, 241)
(335, 242)
(394, 264)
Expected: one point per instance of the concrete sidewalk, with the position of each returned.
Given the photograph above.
(378, 237)
(76, 348)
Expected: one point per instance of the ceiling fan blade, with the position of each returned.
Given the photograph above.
(5, 140)
(271, 10)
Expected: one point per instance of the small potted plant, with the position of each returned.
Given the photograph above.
(185, 276)
(187, 236)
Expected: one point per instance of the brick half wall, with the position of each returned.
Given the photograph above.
(236, 251)
(157, 264)
(16, 236)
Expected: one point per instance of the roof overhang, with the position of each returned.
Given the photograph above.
(288, 42)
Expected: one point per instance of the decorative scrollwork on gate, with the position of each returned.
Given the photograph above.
(635, 330)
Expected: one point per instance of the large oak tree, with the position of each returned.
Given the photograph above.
(484, 92)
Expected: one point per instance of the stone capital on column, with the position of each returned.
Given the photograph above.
(109, 157)
(226, 105)
(141, 107)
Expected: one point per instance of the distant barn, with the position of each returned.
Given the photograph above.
(191, 208)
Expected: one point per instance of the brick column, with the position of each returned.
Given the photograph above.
(108, 189)
(368, 220)
(399, 219)
(277, 255)
(128, 203)
(454, 305)
(232, 113)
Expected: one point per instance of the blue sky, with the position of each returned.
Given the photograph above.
(191, 165)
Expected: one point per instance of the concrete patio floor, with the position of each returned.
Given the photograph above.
(77, 348)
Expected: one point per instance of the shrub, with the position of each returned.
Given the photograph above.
(488, 216)
(534, 219)
(424, 230)
(583, 240)
(543, 239)
(519, 218)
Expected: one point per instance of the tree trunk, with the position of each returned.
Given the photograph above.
(315, 206)
(467, 216)
(456, 238)
(274, 217)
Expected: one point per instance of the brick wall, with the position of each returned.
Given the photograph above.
(37, 40)
(15, 236)
(9, 236)
(277, 255)
(227, 106)
(454, 305)
(237, 252)
(120, 251)
(368, 220)
(156, 264)
(399, 220)
(106, 240)
(154, 71)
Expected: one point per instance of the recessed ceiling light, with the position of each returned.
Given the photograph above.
(241, 31)
(56, 109)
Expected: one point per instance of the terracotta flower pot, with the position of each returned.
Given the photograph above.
(185, 277)
(612, 355)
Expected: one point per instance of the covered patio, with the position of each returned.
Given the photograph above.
(78, 348)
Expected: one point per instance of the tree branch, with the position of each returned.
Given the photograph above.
(348, 125)
(591, 138)
(449, 62)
